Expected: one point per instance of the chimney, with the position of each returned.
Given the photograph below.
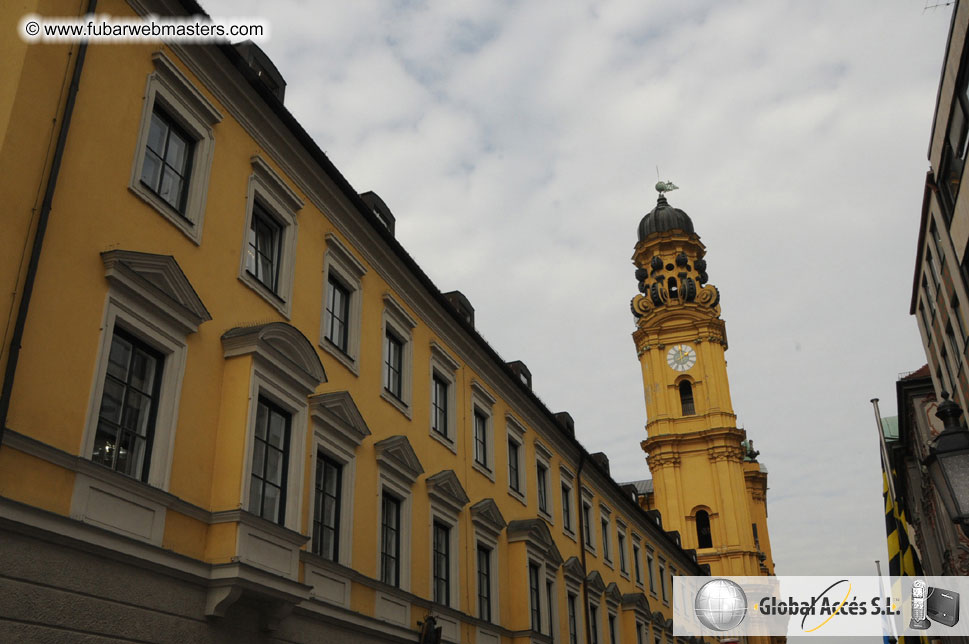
(264, 68)
(462, 305)
(521, 372)
(565, 421)
(600, 459)
(379, 209)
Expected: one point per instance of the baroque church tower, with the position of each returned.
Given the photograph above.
(706, 480)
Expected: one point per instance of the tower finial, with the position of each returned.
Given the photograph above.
(663, 187)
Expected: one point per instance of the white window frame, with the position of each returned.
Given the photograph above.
(487, 531)
(516, 434)
(638, 577)
(397, 320)
(662, 564)
(651, 579)
(336, 438)
(444, 367)
(396, 477)
(194, 113)
(543, 457)
(613, 615)
(157, 319)
(567, 479)
(605, 521)
(575, 591)
(340, 262)
(594, 606)
(551, 614)
(483, 402)
(588, 501)
(622, 548)
(281, 204)
(264, 383)
(446, 502)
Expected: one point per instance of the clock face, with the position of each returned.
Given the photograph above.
(681, 357)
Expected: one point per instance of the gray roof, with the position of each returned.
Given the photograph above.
(644, 486)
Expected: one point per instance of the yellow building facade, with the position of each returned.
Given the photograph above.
(235, 409)
(707, 482)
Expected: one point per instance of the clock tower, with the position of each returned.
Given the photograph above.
(707, 482)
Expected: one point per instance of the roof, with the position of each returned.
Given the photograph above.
(921, 372)
(664, 218)
(890, 428)
(643, 486)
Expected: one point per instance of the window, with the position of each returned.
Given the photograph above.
(480, 438)
(934, 269)
(957, 316)
(393, 364)
(516, 442)
(514, 459)
(264, 253)
(686, 398)
(573, 627)
(168, 160)
(542, 483)
(269, 249)
(270, 462)
(636, 562)
(640, 633)
(390, 539)
(326, 513)
(567, 508)
(587, 525)
(649, 568)
(753, 527)
(129, 402)
(443, 403)
(481, 430)
(397, 355)
(621, 545)
(534, 597)
(550, 603)
(704, 538)
(594, 623)
(484, 582)
(442, 563)
(439, 405)
(612, 629)
(285, 370)
(141, 358)
(662, 578)
(606, 552)
(342, 295)
(175, 148)
(337, 315)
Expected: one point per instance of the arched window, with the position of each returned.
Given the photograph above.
(703, 538)
(686, 398)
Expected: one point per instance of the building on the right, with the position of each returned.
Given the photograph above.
(930, 455)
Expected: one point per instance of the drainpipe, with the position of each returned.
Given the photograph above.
(55, 166)
(582, 529)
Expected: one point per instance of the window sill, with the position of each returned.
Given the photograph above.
(188, 227)
(547, 516)
(484, 470)
(518, 496)
(570, 534)
(342, 357)
(398, 404)
(271, 297)
(624, 574)
(444, 440)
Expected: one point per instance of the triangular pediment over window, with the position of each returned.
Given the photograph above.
(486, 516)
(396, 455)
(338, 413)
(282, 346)
(594, 583)
(535, 533)
(573, 569)
(444, 487)
(159, 280)
(637, 602)
(613, 595)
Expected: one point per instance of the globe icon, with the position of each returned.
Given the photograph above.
(720, 605)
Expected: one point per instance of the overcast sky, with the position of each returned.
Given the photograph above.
(517, 145)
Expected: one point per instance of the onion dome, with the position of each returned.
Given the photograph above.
(664, 218)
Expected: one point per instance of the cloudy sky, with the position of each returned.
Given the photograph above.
(517, 143)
